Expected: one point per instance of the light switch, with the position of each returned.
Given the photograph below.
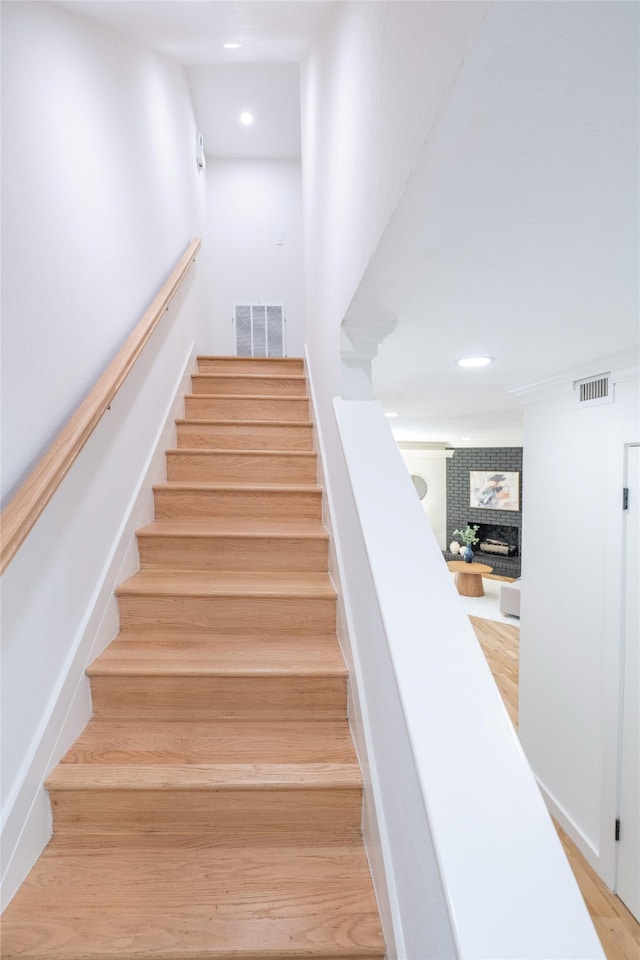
(279, 237)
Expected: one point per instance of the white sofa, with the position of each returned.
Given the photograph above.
(510, 598)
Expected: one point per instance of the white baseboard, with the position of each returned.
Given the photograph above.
(27, 825)
(570, 827)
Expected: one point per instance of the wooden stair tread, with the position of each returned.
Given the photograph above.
(235, 527)
(249, 377)
(127, 656)
(261, 454)
(217, 422)
(275, 372)
(202, 583)
(192, 485)
(164, 897)
(234, 358)
(237, 397)
(225, 741)
(211, 776)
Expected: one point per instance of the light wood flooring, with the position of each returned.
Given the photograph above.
(618, 930)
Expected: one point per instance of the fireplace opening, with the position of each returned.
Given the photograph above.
(496, 539)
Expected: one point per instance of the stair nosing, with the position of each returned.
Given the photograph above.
(155, 529)
(247, 396)
(254, 376)
(205, 776)
(258, 583)
(123, 668)
(306, 424)
(210, 485)
(235, 357)
(205, 451)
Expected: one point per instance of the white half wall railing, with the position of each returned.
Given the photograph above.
(472, 865)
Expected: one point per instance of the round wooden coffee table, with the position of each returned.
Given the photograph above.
(469, 577)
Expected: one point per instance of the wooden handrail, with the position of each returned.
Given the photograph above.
(20, 515)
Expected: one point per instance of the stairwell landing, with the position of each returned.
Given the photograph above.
(212, 806)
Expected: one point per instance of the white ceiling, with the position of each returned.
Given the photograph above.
(193, 31)
(262, 77)
(517, 235)
(270, 92)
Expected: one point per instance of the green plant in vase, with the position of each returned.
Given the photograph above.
(468, 537)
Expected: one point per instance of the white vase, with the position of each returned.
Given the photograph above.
(454, 547)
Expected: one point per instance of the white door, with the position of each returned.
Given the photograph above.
(628, 881)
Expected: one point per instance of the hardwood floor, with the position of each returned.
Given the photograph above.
(499, 642)
(617, 928)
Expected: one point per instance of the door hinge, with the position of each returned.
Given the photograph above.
(617, 830)
(625, 498)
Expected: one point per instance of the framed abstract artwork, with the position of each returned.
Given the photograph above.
(494, 490)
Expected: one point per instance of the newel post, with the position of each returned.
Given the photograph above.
(360, 341)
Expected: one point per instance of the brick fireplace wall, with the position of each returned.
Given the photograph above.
(459, 513)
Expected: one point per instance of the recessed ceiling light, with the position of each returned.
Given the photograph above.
(475, 361)
(246, 118)
(231, 46)
(390, 413)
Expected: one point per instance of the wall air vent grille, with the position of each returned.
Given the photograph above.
(594, 391)
(259, 329)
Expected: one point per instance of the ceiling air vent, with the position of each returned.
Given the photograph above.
(595, 390)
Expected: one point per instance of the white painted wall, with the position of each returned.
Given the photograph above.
(570, 624)
(361, 135)
(361, 138)
(248, 201)
(431, 465)
(100, 196)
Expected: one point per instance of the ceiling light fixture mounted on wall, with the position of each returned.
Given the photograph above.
(246, 118)
(200, 158)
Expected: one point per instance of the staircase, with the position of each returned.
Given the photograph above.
(212, 806)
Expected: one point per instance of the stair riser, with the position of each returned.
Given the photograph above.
(246, 408)
(233, 615)
(229, 436)
(278, 505)
(241, 468)
(278, 366)
(220, 385)
(233, 553)
(216, 698)
(306, 815)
